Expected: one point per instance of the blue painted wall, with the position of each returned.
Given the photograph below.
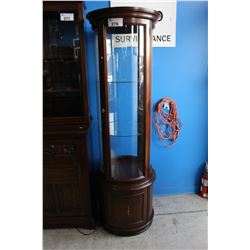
(181, 74)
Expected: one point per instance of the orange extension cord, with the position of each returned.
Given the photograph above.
(167, 124)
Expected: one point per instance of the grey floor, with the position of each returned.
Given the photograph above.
(180, 222)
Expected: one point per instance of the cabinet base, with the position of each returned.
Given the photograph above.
(126, 206)
(128, 231)
(69, 222)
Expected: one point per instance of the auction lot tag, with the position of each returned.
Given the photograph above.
(66, 16)
(115, 22)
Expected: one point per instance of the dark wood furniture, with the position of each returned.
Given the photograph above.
(126, 178)
(66, 169)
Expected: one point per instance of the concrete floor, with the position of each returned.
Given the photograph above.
(180, 222)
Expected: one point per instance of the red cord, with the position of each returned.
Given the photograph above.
(167, 123)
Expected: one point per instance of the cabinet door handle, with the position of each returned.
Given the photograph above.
(128, 211)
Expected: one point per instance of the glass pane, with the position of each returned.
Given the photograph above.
(61, 66)
(125, 57)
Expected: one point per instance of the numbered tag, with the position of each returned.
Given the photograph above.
(67, 16)
(115, 22)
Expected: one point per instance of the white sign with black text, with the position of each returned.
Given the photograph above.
(124, 40)
(66, 16)
(164, 34)
(115, 22)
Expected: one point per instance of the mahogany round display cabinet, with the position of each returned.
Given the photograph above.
(124, 36)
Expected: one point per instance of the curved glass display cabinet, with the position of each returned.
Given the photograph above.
(126, 178)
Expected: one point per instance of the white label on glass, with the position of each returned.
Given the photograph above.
(110, 78)
(115, 22)
(111, 124)
(67, 16)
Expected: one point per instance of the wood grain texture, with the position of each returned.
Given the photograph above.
(126, 185)
(126, 207)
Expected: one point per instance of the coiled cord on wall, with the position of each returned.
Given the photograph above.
(167, 124)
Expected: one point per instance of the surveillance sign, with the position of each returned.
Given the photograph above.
(164, 33)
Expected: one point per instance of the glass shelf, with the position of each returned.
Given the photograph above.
(60, 90)
(121, 82)
(125, 135)
(60, 58)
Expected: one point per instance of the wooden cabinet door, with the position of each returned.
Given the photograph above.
(50, 204)
(66, 191)
(128, 210)
(70, 202)
(66, 178)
